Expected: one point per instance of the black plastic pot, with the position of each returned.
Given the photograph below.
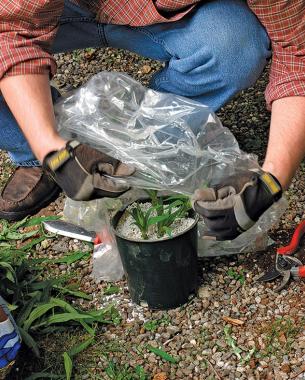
(161, 274)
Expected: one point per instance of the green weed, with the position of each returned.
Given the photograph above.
(163, 354)
(111, 289)
(125, 372)
(242, 355)
(153, 324)
(280, 335)
(238, 276)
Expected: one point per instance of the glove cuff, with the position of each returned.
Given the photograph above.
(56, 159)
(260, 196)
(272, 185)
(79, 170)
(67, 171)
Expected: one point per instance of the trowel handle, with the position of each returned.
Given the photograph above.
(97, 240)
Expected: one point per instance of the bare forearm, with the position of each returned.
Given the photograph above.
(286, 146)
(29, 99)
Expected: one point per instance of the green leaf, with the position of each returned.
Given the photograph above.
(138, 215)
(41, 285)
(40, 219)
(25, 312)
(66, 306)
(20, 223)
(66, 317)
(153, 194)
(75, 293)
(5, 245)
(31, 244)
(29, 341)
(63, 304)
(9, 271)
(175, 197)
(68, 365)
(249, 355)
(168, 231)
(110, 312)
(151, 325)
(37, 313)
(5, 227)
(164, 355)
(147, 214)
(13, 235)
(80, 347)
(175, 204)
(111, 289)
(140, 372)
(89, 329)
(232, 342)
(157, 219)
(71, 258)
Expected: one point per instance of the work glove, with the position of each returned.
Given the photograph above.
(82, 172)
(234, 205)
(10, 342)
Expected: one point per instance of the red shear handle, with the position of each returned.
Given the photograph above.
(294, 242)
(298, 272)
(301, 271)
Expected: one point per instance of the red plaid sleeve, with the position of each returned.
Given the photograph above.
(141, 13)
(285, 23)
(174, 5)
(27, 28)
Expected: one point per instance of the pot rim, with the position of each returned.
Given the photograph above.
(196, 220)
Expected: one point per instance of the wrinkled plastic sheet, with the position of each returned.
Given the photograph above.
(175, 144)
(95, 216)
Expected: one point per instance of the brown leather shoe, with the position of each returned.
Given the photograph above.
(27, 191)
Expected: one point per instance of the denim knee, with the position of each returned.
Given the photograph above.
(222, 48)
(240, 56)
(231, 61)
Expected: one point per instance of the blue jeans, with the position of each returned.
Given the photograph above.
(210, 55)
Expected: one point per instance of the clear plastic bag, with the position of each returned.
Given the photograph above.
(175, 144)
(107, 264)
(94, 216)
(91, 215)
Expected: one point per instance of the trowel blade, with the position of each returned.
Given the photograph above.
(69, 229)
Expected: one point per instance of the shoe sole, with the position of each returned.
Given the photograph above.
(13, 216)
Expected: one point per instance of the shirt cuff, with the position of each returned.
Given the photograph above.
(35, 66)
(284, 90)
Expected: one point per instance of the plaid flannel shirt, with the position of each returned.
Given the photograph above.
(28, 27)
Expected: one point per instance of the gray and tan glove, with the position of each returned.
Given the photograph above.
(234, 205)
(80, 171)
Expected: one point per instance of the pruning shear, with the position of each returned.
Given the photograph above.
(286, 265)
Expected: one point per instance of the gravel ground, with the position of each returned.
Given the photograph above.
(235, 328)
